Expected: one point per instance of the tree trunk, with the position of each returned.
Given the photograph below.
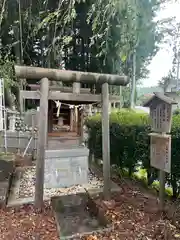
(130, 171)
(174, 188)
(8, 98)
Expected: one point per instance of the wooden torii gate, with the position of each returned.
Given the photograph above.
(45, 74)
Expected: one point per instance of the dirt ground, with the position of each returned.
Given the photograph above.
(135, 216)
(25, 224)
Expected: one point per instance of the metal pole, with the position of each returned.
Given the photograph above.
(106, 141)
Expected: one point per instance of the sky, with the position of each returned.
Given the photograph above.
(162, 62)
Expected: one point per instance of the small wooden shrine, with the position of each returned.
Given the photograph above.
(66, 107)
(160, 112)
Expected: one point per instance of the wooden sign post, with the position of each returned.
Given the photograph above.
(160, 153)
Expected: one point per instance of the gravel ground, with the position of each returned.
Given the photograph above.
(27, 185)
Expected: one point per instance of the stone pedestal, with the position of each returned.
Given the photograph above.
(12, 121)
(66, 167)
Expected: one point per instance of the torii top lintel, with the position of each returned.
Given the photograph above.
(69, 76)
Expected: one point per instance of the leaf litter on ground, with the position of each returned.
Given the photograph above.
(24, 223)
(134, 215)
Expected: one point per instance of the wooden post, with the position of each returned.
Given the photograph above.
(110, 107)
(161, 189)
(161, 118)
(42, 141)
(21, 102)
(90, 110)
(162, 182)
(81, 141)
(76, 89)
(71, 119)
(50, 116)
(106, 141)
(76, 119)
(33, 135)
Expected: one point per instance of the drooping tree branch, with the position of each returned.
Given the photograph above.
(2, 12)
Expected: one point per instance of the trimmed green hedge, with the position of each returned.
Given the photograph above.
(130, 144)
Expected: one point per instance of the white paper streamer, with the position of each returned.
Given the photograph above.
(58, 105)
(71, 106)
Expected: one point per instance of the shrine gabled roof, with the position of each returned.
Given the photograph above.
(161, 97)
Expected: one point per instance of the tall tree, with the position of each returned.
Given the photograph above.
(171, 31)
(166, 81)
(82, 35)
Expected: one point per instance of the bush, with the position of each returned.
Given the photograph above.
(177, 111)
(174, 177)
(130, 144)
(128, 138)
